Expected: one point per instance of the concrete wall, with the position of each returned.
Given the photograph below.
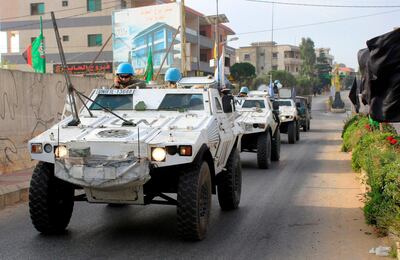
(29, 104)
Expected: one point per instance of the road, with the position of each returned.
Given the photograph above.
(306, 207)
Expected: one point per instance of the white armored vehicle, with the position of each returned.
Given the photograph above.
(259, 119)
(289, 119)
(140, 146)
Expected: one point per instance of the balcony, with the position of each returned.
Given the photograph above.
(293, 61)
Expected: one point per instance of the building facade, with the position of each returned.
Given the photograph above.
(327, 54)
(85, 28)
(267, 56)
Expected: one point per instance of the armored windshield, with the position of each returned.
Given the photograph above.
(253, 103)
(112, 102)
(286, 103)
(182, 102)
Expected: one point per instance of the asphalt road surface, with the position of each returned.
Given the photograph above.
(306, 207)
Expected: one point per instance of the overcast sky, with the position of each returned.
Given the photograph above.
(344, 38)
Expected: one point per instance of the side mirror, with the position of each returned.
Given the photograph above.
(275, 105)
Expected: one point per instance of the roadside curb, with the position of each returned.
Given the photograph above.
(14, 187)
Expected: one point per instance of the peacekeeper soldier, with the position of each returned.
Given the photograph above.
(243, 91)
(125, 78)
(172, 76)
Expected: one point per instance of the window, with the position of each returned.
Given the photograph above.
(203, 57)
(64, 3)
(123, 4)
(65, 38)
(93, 5)
(203, 33)
(177, 102)
(253, 103)
(275, 55)
(247, 57)
(113, 102)
(159, 35)
(262, 54)
(297, 69)
(37, 8)
(262, 67)
(95, 40)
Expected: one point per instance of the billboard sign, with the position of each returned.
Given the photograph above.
(137, 31)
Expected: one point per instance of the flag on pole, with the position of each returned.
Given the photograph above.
(148, 75)
(35, 55)
(219, 74)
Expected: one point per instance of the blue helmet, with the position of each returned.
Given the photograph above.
(244, 89)
(172, 74)
(125, 68)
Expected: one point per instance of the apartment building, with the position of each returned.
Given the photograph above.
(327, 54)
(267, 56)
(85, 27)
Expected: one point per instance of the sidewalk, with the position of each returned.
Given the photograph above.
(14, 187)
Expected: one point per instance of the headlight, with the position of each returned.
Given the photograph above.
(61, 151)
(283, 118)
(48, 148)
(36, 148)
(158, 154)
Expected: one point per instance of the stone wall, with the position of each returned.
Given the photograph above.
(29, 104)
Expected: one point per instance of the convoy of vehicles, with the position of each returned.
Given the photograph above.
(259, 120)
(156, 145)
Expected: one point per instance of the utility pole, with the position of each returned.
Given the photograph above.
(217, 43)
(272, 43)
(183, 38)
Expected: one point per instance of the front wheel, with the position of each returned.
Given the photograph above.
(297, 130)
(51, 200)
(230, 183)
(291, 132)
(264, 151)
(194, 203)
(276, 146)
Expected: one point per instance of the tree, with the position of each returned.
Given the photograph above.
(243, 72)
(323, 68)
(286, 78)
(307, 54)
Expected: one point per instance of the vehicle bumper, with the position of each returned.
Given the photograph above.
(102, 172)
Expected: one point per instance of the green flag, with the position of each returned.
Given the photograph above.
(35, 53)
(148, 75)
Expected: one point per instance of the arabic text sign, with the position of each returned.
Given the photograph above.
(105, 67)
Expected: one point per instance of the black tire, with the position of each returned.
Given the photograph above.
(291, 132)
(305, 127)
(264, 151)
(230, 183)
(276, 146)
(194, 203)
(297, 131)
(51, 200)
(308, 125)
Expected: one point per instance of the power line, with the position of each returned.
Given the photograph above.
(325, 5)
(57, 11)
(319, 23)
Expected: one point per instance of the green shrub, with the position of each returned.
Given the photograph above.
(374, 153)
(355, 128)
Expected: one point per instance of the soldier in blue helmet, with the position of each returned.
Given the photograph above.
(125, 77)
(243, 91)
(172, 76)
